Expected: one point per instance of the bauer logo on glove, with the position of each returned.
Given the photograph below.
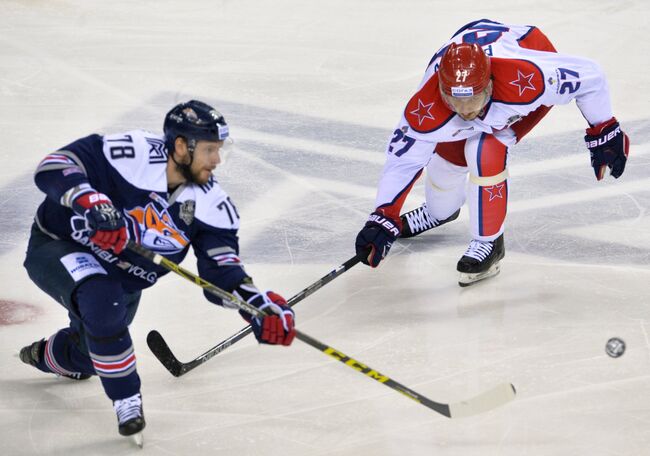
(609, 148)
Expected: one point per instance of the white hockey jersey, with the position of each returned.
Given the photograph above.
(527, 74)
(130, 168)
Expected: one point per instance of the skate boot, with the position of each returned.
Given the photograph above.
(33, 355)
(480, 261)
(130, 418)
(419, 220)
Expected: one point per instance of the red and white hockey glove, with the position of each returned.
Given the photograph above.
(277, 326)
(608, 147)
(106, 224)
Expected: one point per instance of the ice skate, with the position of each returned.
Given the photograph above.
(130, 418)
(33, 354)
(419, 220)
(480, 261)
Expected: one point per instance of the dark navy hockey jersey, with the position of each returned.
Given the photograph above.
(130, 168)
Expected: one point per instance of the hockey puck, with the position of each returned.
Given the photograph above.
(615, 347)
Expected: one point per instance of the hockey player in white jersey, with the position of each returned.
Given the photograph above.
(160, 192)
(482, 92)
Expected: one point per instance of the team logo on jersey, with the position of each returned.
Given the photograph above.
(155, 229)
(423, 112)
(523, 82)
(186, 212)
(157, 150)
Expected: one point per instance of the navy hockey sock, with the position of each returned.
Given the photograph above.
(114, 361)
(103, 308)
(59, 355)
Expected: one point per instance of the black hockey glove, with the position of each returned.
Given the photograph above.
(608, 147)
(376, 238)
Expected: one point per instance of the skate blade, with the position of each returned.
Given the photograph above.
(466, 280)
(138, 439)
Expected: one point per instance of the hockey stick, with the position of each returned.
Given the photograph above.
(484, 402)
(161, 350)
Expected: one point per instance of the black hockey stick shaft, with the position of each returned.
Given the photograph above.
(161, 350)
(320, 283)
(483, 402)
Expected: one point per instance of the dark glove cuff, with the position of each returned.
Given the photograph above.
(246, 289)
(390, 226)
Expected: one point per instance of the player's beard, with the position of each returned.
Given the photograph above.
(186, 171)
(197, 176)
(192, 176)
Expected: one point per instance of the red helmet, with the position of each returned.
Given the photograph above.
(464, 70)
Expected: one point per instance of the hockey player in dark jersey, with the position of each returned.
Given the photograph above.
(160, 192)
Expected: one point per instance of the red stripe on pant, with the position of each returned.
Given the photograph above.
(493, 199)
(493, 204)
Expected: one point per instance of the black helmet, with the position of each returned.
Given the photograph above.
(194, 121)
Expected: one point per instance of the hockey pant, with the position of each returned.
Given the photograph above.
(97, 341)
(447, 186)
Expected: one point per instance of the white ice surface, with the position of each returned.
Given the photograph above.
(312, 91)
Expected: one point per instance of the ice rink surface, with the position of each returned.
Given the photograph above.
(312, 91)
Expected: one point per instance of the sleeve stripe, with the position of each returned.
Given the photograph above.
(59, 160)
(227, 259)
(54, 158)
(220, 250)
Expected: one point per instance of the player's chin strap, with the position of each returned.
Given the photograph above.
(484, 402)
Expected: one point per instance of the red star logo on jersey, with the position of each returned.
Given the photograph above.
(495, 191)
(523, 82)
(423, 112)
